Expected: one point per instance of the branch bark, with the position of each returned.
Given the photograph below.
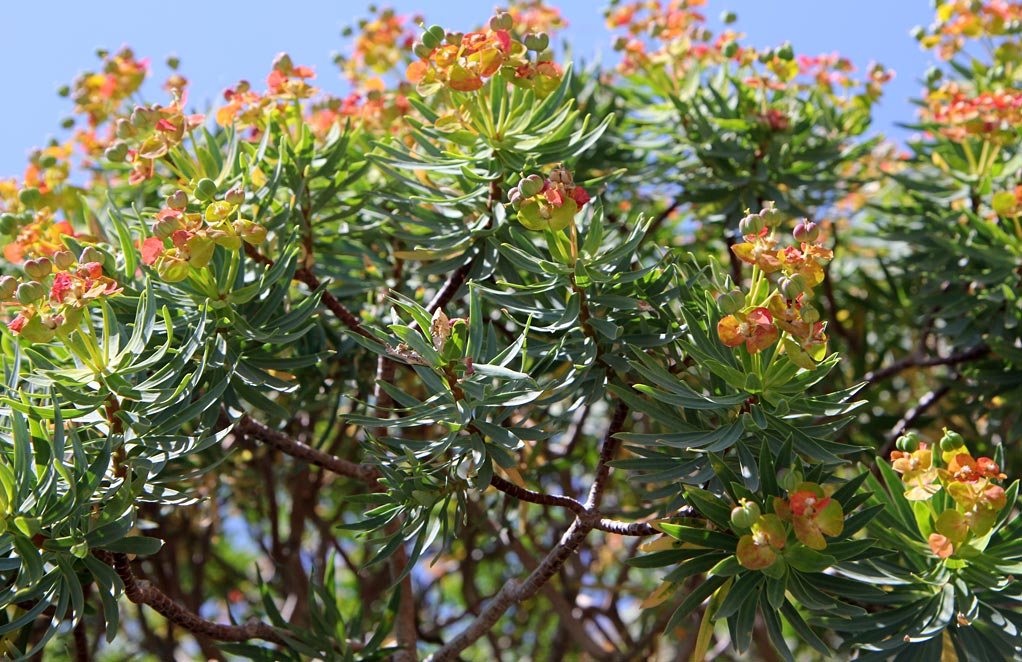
(513, 592)
(142, 593)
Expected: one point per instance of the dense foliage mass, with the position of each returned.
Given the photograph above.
(504, 358)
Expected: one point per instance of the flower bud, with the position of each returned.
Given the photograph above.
(908, 442)
(165, 227)
(744, 515)
(792, 286)
(30, 291)
(454, 38)
(7, 286)
(91, 254)
(531, 185)
(502, 21)
(771, 215)
(809, 314)
(47, 161)
(806, 232)
(283, 64)
(64, 259)
(178, 200)
(116, 153)
(29, 197)
(730, 49)
(8, 224)
(205, 189)
(951, 441)
(429, 41)
(728, 17)
(751, 225)
(39, 268)
(785, 52)
(422, 51)
(537, 42)
(787, 479)
(235, 196)
(731, 302)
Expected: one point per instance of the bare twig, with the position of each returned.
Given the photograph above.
(513, 592)
(919, 361)
(256, 430)
(142, 593)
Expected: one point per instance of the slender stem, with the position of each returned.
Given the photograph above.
(143, 593)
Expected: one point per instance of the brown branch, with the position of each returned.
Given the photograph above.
(256, 430)
(142, 593)
(523, 494)
(918, 361)
(608, 449)
(512, 592)
(914, 414)
(82, 651)
(306, 276)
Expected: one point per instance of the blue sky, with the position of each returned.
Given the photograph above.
(46, 44)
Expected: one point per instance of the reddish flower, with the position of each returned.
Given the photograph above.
(755, 329)
(151, 249)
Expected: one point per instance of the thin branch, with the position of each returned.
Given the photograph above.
(914, 414)
(523, 494)
(608, 449)
(256, 430)
(919, 361)
(513, 592)
(82, 650)
(142, 593)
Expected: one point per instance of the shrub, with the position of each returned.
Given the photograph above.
(504, 357)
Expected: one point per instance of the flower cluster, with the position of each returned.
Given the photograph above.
(961, 20)
(549, 203)
(760, 319)
(675, 39)
(992, 116)
(971, 483)
(54, 293)
(285, 83)
(99, 95)
(461, 62)
(380, 44)
(28, 224)
(535, 16)
(373, 107)
(809, 512)
(193, 236)
(154, 131)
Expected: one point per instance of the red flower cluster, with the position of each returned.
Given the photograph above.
(549, 203)
(787, 310)
(993, 116)
(47, 310)
(462, 62)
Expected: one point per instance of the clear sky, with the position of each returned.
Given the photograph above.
(45, 44)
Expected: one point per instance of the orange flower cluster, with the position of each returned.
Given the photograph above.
(53, 294)
(549, 203)
(193, 236)
(810, 512)
(993, 116)
(99, 95)
(285, 83)
(961, 20)
(375, 108)
(971, 483)
(381, 43)
(787, 310)
(154, 132)
(462, 62)
(535, 16)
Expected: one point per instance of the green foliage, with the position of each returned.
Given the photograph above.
(358, 378)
